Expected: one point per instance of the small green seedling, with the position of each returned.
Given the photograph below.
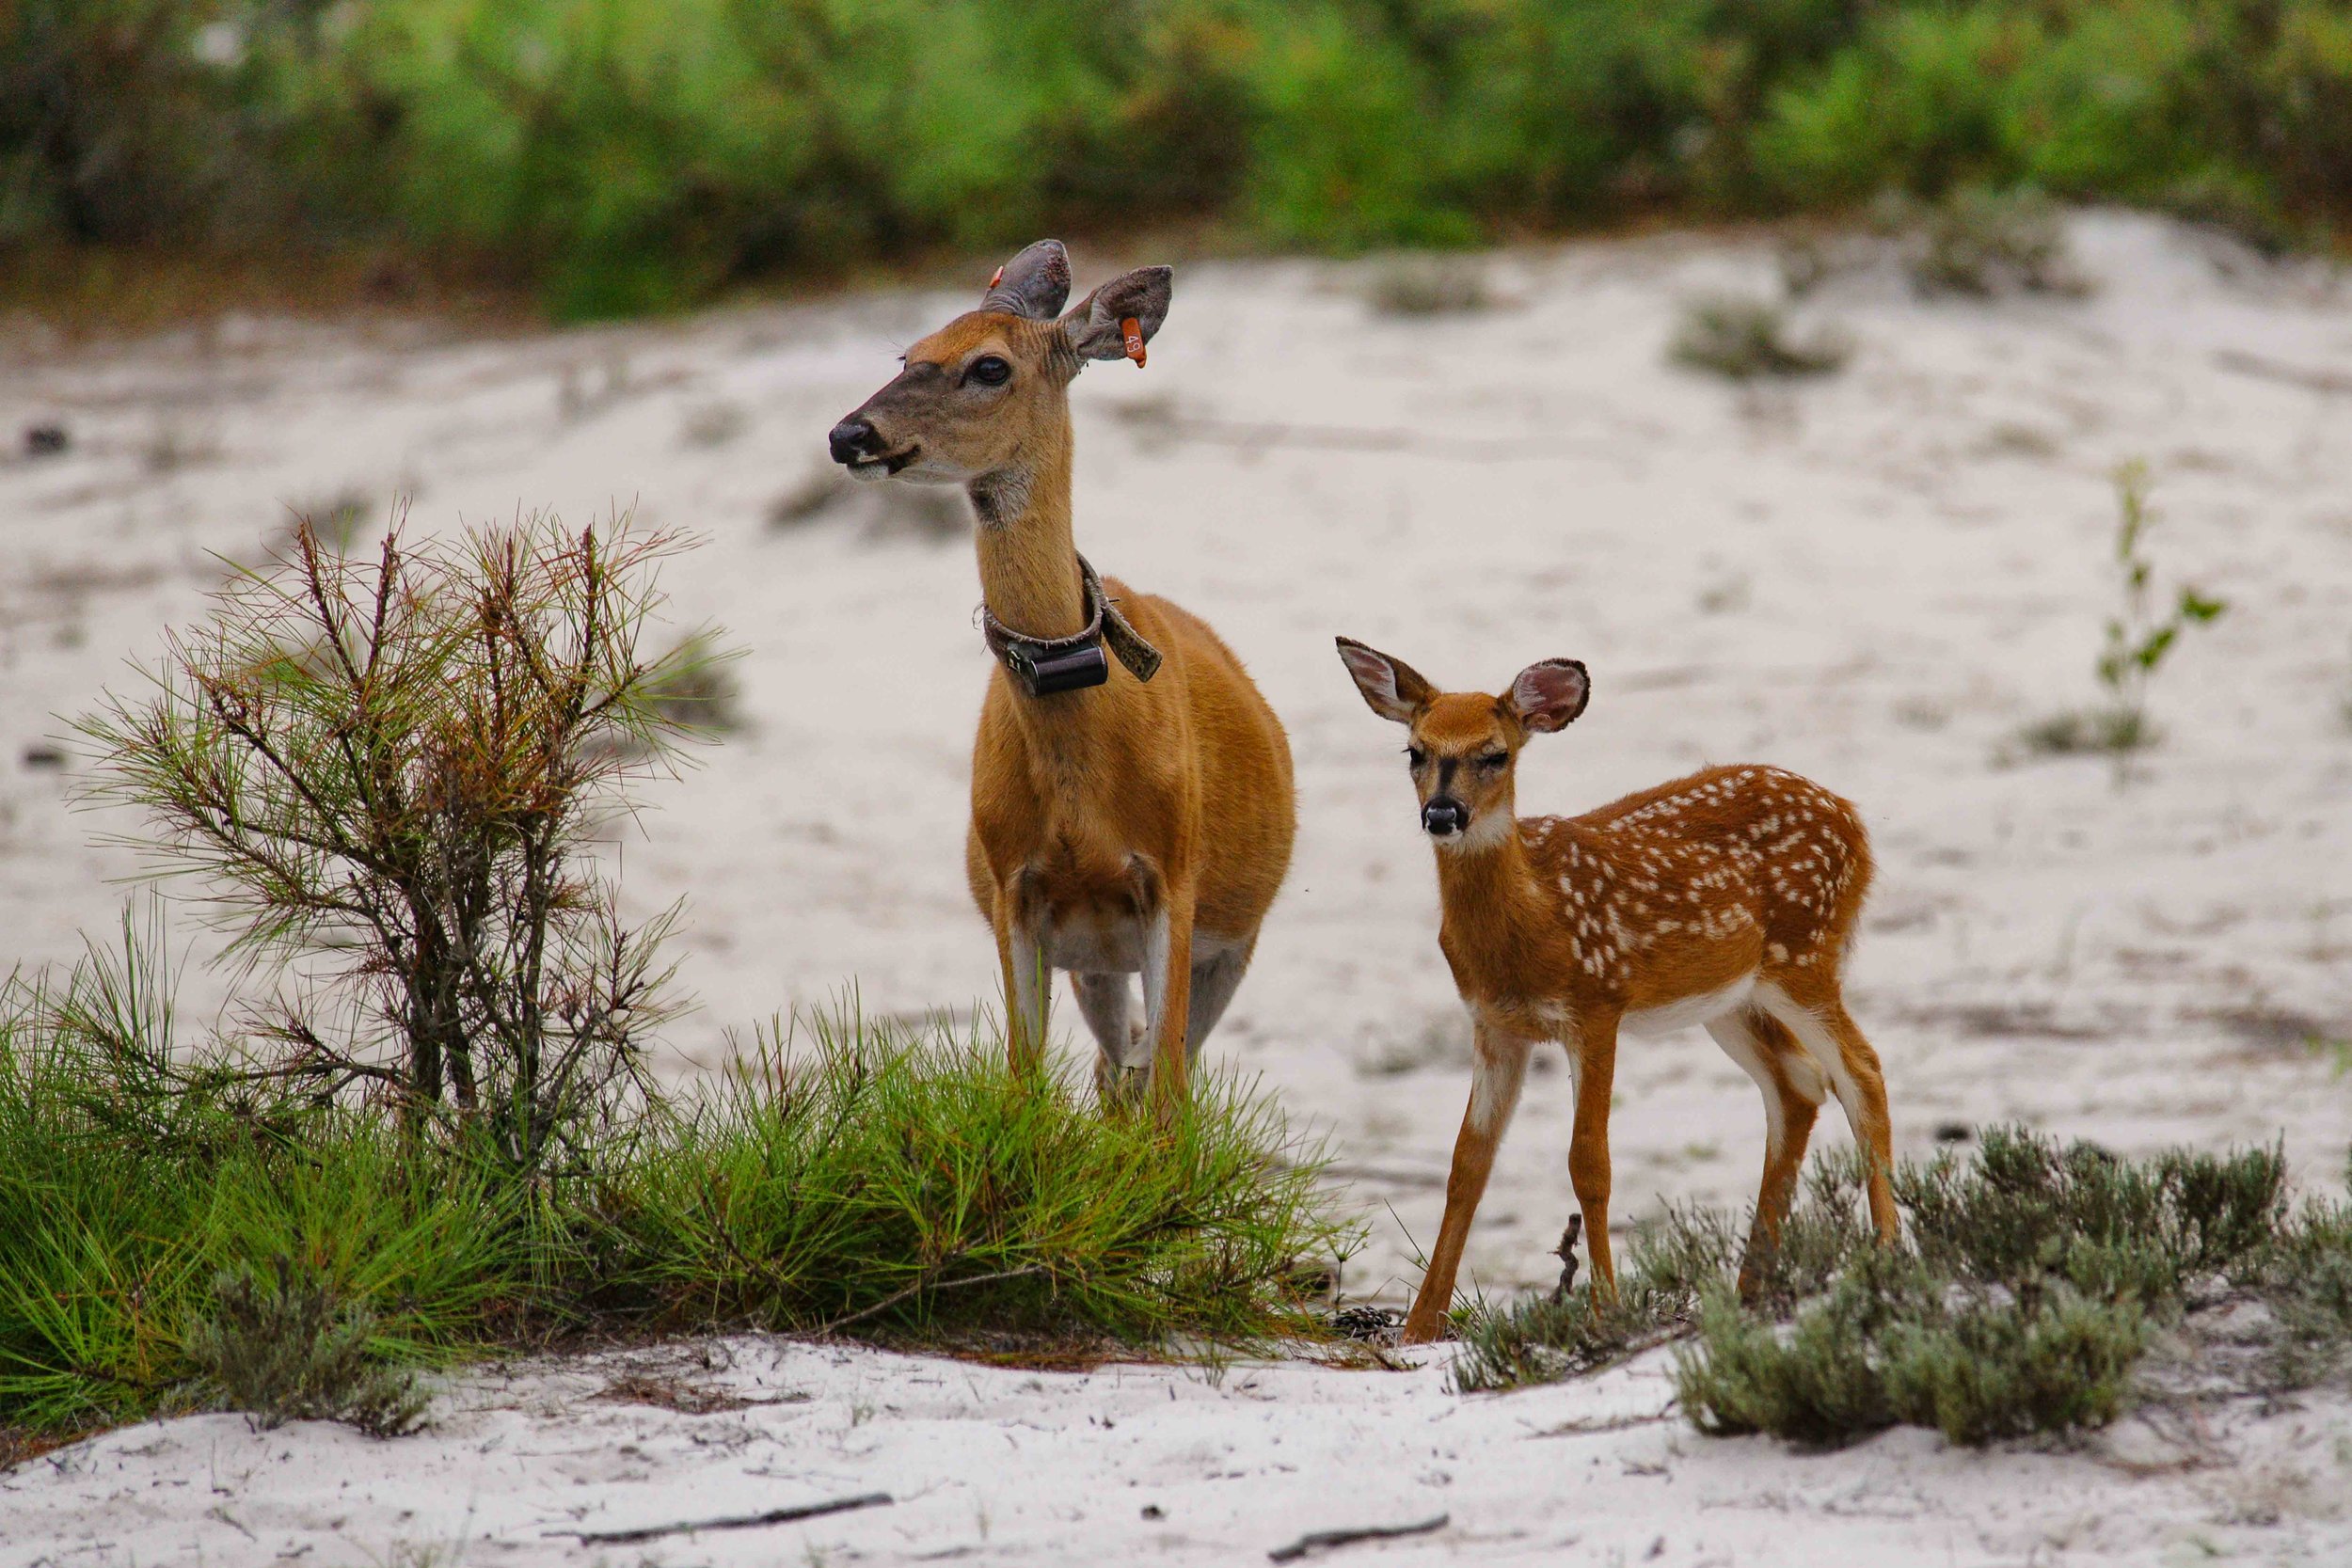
(2138, 639)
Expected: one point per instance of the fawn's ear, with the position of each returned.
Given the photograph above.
(1391, 688)
(1546, 696)
(1098, 328)
(1033, 284)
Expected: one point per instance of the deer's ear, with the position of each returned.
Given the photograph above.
(1546, 696)
(1391, 688)
(1097, 329)
(1033, 284)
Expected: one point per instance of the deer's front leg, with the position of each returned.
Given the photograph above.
(1168, 997)
(1596, 1049)
(1028, 983)
(1498, 1067)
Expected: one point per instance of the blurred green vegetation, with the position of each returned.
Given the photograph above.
(627, 155)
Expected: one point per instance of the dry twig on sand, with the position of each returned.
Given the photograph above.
(739, 1521)
(1324, 1540)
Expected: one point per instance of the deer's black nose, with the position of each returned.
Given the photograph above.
(854, 438)
(1443, 817)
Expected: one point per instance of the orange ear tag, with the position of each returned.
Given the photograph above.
(998, 279)
(1133, 331)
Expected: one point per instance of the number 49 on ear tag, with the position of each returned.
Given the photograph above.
(1132, 330)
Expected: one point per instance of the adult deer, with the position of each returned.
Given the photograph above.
(1130, 814)
(1727, 899)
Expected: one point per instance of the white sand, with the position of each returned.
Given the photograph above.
(993, 1466)
(1872, 581)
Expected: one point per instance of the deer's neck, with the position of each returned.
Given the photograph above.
(1029, 559)
(1492, 881)
(1501, 925)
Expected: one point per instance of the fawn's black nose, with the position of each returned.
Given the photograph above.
(854, 438)
(1443, 819)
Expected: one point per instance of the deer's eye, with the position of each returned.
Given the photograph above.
(1492, 760)
(989, 370)
(1414, 757)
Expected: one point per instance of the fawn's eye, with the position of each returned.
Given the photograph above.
(989, 370)
(1492, 760)
(1414, 757)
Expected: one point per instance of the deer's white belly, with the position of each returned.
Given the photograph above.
(1649, 1022)
(1112, 944)
(1095, 945)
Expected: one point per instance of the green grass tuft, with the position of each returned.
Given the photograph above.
(858, 1178)
(900, 1183)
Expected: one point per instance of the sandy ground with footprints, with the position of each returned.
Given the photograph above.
(1874, 580)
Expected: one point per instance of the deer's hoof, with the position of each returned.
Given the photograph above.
(1119, 1090)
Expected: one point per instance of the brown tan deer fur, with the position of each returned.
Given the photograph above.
(1726, 900)
(1131, 827)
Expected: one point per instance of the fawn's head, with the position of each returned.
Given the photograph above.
(986, 391)
(1464, 745)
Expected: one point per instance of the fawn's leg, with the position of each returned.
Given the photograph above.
(1792, 1090)
(1498, 1067)
(1596, 1049)
(1815, 1012)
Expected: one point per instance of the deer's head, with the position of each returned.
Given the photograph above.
(1464, 748)
(982, 395)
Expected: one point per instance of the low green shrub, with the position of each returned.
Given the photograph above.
(620, 156)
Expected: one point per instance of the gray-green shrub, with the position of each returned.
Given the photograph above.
(283, 1347)
(2026, 1289)
(1743, 339)
(1980, 242)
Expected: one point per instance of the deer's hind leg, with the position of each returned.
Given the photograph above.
(1813, 1011)
(1793, 1092)
(1217, 972)
(1106, 1001)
